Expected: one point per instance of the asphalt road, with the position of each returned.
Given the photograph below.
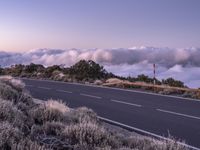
(157, 114)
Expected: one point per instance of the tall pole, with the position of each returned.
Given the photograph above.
(154, 74)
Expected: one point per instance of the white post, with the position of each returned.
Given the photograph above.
(154, 72)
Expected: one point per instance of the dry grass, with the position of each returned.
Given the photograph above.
(145, 143)
(89, 134)
(27, 144)
(83, 115)
(161, 89)
(25, 125)
(9, 135)
(98, 82)
(56, 105)
(113, 81)
(17, 84)
(43, 114)
(10, 113)
(13, 90)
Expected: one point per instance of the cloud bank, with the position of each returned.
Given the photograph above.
(182, 64)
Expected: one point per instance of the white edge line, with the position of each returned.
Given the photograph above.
(179, 114)
(64, 91)
(90, 95)
(38, 101)
(46, 88)
(98, 86)
(145, 132)
(126, 103)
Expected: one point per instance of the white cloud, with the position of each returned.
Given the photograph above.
(182, 64)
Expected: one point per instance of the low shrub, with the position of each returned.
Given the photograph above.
(56, 105)
(82, 115)
(14, 83)
(8, 93)
(145, 143)
(9, 135)
(10, 113)
(43, 114)
(89, 134)
(169, 91)
(49, 128)
(27, 144)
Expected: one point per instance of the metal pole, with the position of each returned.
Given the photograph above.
(154, 72)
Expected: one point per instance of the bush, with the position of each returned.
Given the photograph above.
(82, 115)
(56, 105)
(14, 83)
(151, 144)
(10, 113)
(9, 135)
(89, 134)
(49, 128)
(86, 70)
(169, 91)
(27, 144)
(173, 82)
(8, 93)
(42, 114)
(12, 90)
(49, 111)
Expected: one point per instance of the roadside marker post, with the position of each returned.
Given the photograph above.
(154, 76)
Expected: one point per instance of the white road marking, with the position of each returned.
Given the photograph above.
(38, 101)
(29, 85)
(145, 132)
(126, 103)
(90, 96)
(179, 114)
(46, 88)
(64, 91)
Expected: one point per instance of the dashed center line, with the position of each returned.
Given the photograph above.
(126, 103)
(90, 96)
(46, 88)
(28, 85)
(64, 91)
(178, 114)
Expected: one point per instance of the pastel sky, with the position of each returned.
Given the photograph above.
(29, 24)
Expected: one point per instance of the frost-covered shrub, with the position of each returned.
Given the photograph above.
(42, 115)
(83, 115)
(49, 111)
(10, 113)
(9, 135)
(56, 105)
(89, 134)
(146, 143)
(48, 128)
(14, 83)
(8, 93)
(27, 144)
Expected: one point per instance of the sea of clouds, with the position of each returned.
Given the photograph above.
(181, 64)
